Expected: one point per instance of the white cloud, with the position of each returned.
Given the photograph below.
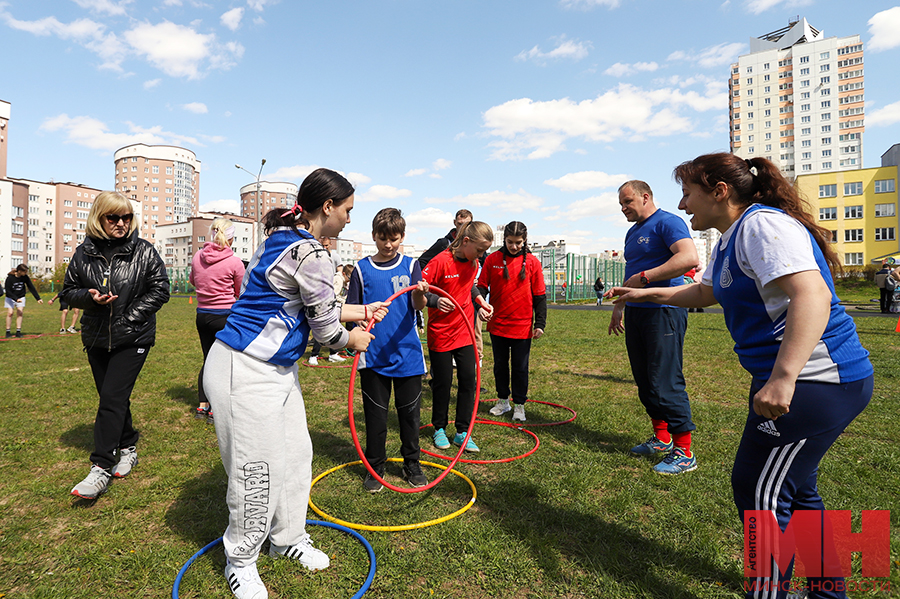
(587, 180)
(712, 57)
(760, 6)
(605, 204)
(180, 51)
(232, 18)
(258, 5)
(92, 133)
(232, 206)
(882, 117)
(434, 176)
(215, 139)
(501, 201)
(357, 179)
(195, 107)
(104, 6)
(415, 172)
(588, 4)
(530, 129)
(441, 164)
(429, 217)
(85, 32)
(565, 49)
(172, 2)
(383, 192)
(622, 69)
(291, 173)
(152, 83)
(885, 29)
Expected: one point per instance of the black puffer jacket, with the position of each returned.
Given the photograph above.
(136, 274)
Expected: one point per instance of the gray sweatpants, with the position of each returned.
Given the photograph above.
(265, 447)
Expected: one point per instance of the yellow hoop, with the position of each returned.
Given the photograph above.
(400, 527)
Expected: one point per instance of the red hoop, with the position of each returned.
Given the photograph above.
(546, 403)
(537, 443)
(359, 449)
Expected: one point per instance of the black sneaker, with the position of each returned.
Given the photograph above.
(19, 334)
(371, 484)
(412, 472)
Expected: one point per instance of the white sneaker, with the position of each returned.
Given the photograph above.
(335, 358)
(303, 552)
(502, 407)
(62, 331)
(72, 329)
(519, 413)
(128, 459)
(245, 582)
(313, 361)
(94, 485)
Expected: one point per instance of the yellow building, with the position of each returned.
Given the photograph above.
(859, 207)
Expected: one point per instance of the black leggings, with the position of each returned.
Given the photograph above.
(207, 327)
(115, 373)
(441, 381)
(376, 390)
(517, 350)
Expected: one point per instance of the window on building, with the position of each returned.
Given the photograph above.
(827, 213)
(824, 68)
(826, 165)
(884, 234)
(851, 212)
(826, 153)
(885, 209)
(824, 55)
(853, 235)
(884, 186)
(853, 189)
(806, 167)
(804, 59)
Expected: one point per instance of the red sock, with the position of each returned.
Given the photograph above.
(661, 430)
(683, 440)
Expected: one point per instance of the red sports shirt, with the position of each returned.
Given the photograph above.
(512, 298)
(448, 330)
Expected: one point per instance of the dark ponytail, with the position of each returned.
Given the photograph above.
(515, 229)
(317, 188)
(756, 181)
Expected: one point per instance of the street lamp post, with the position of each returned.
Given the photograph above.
(258, 200)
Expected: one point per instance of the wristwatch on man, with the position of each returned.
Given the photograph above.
(645, 280)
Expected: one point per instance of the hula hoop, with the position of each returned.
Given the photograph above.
(353, 533)
(546, 403)
(359, 449)
(537, 443)
(398, 527)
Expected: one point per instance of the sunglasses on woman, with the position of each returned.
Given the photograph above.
(115, 218)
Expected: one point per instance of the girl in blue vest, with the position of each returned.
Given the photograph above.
(250, 378)
(771, 273)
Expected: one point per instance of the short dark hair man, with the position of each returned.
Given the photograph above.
(658, 251)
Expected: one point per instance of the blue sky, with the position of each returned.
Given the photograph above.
(531, 110)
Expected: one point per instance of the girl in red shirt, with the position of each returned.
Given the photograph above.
(515, 280)
(453, 271)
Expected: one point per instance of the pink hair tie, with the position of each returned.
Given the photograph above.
(295, 210)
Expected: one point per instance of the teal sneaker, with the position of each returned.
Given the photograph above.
(676, 463)
(652, 446)
(440, 439)
(470, 445)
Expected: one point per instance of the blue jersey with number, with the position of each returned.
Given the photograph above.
(396, 350)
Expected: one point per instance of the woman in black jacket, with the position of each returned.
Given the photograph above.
(120, 282)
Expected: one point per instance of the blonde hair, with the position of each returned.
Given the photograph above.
(476, 231)
(108, 202)
(218, 230)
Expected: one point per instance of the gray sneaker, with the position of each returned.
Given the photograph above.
(94, 485)
(127, 460)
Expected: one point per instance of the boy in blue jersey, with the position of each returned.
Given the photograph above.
(395, 357)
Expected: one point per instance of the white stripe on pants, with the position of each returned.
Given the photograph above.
(265, 447)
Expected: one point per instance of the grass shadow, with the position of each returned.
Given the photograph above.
(199, 513)
(183, 394)
(80, 437)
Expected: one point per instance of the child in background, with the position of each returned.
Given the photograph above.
(395, 356)
(16, 282)
(64, 308)
(515, 280)
(453, 271)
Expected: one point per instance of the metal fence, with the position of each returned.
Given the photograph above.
(570, 277)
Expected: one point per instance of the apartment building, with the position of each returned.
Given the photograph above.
(164, 180)
(797, 99)
(272, 194)
(182, 240)
(859, 207)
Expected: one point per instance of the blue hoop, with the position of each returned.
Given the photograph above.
(350, 531)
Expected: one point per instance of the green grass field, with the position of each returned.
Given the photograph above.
(578, 518)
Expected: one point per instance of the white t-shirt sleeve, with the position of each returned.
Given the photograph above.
(772, 244)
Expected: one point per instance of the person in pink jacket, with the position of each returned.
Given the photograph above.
(216, 274)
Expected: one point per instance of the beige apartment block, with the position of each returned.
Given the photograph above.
(797, 99)
(271, 194)
(181, 241)
(164, 180)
